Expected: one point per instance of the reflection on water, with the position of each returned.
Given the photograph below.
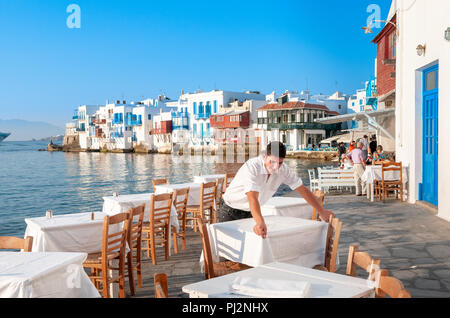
(32, 182)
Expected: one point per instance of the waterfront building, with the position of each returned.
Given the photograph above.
(292, 122)
(201, 105)
(82, 119)
(162, 132)
(422, 75)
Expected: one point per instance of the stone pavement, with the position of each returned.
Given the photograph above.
(412, 243)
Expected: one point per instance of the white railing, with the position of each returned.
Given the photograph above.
(335, 178)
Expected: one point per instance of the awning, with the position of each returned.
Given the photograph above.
(355, 116)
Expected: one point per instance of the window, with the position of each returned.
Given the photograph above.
(215, 106)
(339, 107)
(200, 108)
(149, 116)
(208, 108)
(361, 108)
(195, 108)
(194, 129)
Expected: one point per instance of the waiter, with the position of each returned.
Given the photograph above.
(256, 182)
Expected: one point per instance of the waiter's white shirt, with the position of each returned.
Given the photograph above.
(253, 176)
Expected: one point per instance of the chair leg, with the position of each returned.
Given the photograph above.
(130, 272)
(166, 241)
(105, 284)
(175, 241)
(183, 240)
(148, 248)
(152, 243)
(139, 267)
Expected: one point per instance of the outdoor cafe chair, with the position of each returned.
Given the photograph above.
(134, 243)
(321, 197)
(156, 182)
(16, 243)
(206, 207)
(113, 248)
(390, 286)
(219, 191)
(219, 268)
(161, 286)
(363, 260)
(332, 245)
(383, 186)
(180, 199)
(156, 232)
(228, 178)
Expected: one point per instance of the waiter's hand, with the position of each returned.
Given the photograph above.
(260, 229)
(325, 214)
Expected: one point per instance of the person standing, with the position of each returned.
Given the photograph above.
(373, 145)
(365, 148)
(341, 151)
(356, 157)
(256, 182)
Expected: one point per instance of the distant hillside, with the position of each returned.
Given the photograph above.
(22, 130)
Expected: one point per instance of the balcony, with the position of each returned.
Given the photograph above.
(116, 135)
(117, 122)
(203, 116)
(75, 117)
(289, 126)
(159, 131)
(99, 121)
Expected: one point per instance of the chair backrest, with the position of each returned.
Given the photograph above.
(155, 182)
(321, 197)
(207, 195)
(363, 260)
(332, 243)
(161, 286)
(180, 199)
(391, 286)
(135, 228)
(219, 189)
(207, 254)
(228, 178)
(160, 212)
(16, 243)
(391, 166)
(114, 243)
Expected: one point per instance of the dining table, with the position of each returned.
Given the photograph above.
(289, 239)
(373, 172)
(75, 232)
(208, 178)
(44, 275)
(287, 206)
(282, 280)
(194, 190)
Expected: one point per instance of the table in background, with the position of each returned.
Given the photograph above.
(208, 178)
(287, 206)
(49, 275)
(67, 233)
(291, 240)
(323, 284)
(194, 191)
(373, 172)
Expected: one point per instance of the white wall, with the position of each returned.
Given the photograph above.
(422, 22)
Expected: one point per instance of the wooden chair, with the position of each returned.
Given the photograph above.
(228, 178)
(363, 260)
(155, 182)
(180, 200)
(113, 248)
(382, 187)
(319, 194)
(220, 268)
(134, 240)
(391, 286)
(161, 286)
(207, 199)
(220, 182)
(16, 243)
(157, 230)
(332, 245)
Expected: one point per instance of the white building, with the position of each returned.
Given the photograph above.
(423, 99)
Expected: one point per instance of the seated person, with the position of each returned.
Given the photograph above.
(379, 155)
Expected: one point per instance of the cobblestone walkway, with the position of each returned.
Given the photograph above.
(412, 243)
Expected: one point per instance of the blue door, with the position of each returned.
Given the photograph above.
(430, 117)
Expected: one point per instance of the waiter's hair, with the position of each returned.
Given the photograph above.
(277, 149)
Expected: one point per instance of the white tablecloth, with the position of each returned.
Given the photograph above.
(194, 190)
(287, 206)
(322, 284)
(67, 233)
(122, 203)
(49, 275)
(208, 178)
(291, 240)
(373, 173)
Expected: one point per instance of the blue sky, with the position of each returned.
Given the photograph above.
(141, 48)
